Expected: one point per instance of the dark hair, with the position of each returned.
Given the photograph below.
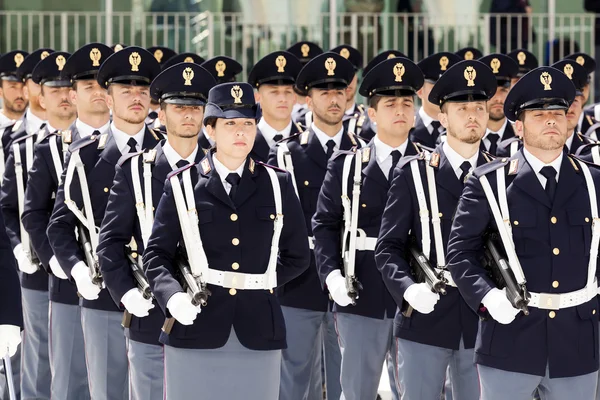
(374, 101)
(211, 121)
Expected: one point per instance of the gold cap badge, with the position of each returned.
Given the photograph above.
(444, 63)
(469, 55)
(44, 54)
(188, 60)
(345, 53)
(19, 59)
(95, 56)
(305, 49)
(470, 75)
(392, 55)
(399, 71)
(158, 54)
(135, 60)
(60, 62)
(580, 60)
(330, 65)
(220, 67)
(280, 61)
(188, 75)
(495, 64)
(118, 47)
(546, 80)
(237, 93)
(521, 56)
(568, 70)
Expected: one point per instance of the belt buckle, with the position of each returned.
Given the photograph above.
(549, 301)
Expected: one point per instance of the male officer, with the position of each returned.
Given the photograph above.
(588, 118)
(223, 68)
(86, 185)
(54, 97)
(435, 332)
(67, 355)
(526, 61)
(499, 128)
(365, 329)
(182, 91)
(469, 53)
(538, 201)
(304, 51)
(273, 78)
(246, 232)
(306, 307)
(427, 127)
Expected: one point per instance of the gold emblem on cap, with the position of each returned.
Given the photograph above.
(546, 80)
(135, 60)
(19, 59)
(60, 62)
(330, 66)
(188, 60)
(345, 53)
(568, 70)
(237, 93)
(495, 64)
(580, 60)
(305, 49)
(220, 67)
(444, 63)
(392, 55)
(280, 61)
(399, 71)
(469, 55)
(95, 56)
(470, 75)
(118, 47)
(188, 75)
(158, 54)
(44, 54)
(521, 56)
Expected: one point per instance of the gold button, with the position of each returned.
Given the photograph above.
(594, 312)
(555, 284)
(305, 183)
(553, 220)
(233, 217)
(441, 215)
(364, 205)
(271, 291)
(552, 314)
(516, 223)
(232, 292)
(235, 241)
(134, 255)
(556, 251)
(587, 219)
(272, 216)
(105, 190)
(235, 266)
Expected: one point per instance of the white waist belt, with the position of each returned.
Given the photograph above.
(238, 280)
(550, 301)
(363, 243)
(447, 276)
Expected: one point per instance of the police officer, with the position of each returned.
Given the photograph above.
(469, 53)
(273, 78)
(427, 128)
(365, 329)
(435, 332)
(162, 54)
(304, 51)
(305, 302)
(499, 129)
(541, 199)
(223, 68)
(86, 185)
(182, 91)
(526, 60)
(247, 238)
(54, 97)
(588, 118)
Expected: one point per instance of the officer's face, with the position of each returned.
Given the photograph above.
(496, 104)
(276, 101)
(423, 93)
(182, 121)
(466, 121)
(89, 97)
(327, 105)
(32, 92)
(586, 93)
(394, 115)
(57, 102)
(129, 103)
(543, 129)
(574, 113)
(234, 137)
(13, 96)
(351, 89)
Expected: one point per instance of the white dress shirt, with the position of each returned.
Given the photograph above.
(324, 138)
(86, 130)
(269, 132)
(456, 159)
(122, 138)
(383, 153)
(500, 134)
(5, 122)
(223, 171)
(569, 141)
(173, 156)
(32, 122)
(537, 165)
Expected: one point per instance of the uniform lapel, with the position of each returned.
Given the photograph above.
(568, 182)
(247, 184)
(528, 182)
(150, 140)
(315, 151)
(446, 177)
(214, 185)
(161, 165)
(372, 170)
(111, 152)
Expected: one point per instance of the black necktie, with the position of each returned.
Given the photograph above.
(330, 145)
(493, 138)
(182, 163)
(436, 127)
(234, 180)
(465, 168)
(550, 174)
(152, 115)
(277, 137)
(395, 158)
(132, 145)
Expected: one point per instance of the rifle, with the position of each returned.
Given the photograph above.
(502, 275)
(90, 257)
(141, 282)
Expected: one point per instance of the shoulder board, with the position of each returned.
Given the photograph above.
(83, 142)
(150, 156)
(585, 139)
(339, 153)
(23, 138)
(126, 157)
(156, 133)
(361, 108)
(572, 159)
(352, 138)
(180, 170)
(49, 135)
(487, 156)
(304, 137)
(67, 136)
(102, 141)
(270, 166)
(17, 125)
(407, 159)
(491, 166)
(361, 120)
(590, 119)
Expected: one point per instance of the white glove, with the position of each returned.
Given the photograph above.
(421, 298)
(336, 284)
(10, 337)
(136, 304)
(56, 269)
(499, 307)
(83, 280)
(25, 265)
(181, 308)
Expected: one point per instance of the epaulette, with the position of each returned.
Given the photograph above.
(299, 126)
(304, 137)
(158, 136)
(585, 139)
(339, 153)
(590, 119)
(126, 157)
(407, 159)
(17, 125)
(489, 157)
(492, 166)
(352, 138)
(180, 170)
(22, 138)
(83, 142)
(67, 136)
(49, 135)
(150, 156)
(102, 140)
(270, 166)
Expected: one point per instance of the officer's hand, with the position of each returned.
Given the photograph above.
(25, 265)
(181, 308)
(56, 269)
(136, 304)
(336, 284)
(83, 280)
(499, 307)
(10, 337)
(421, 298)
